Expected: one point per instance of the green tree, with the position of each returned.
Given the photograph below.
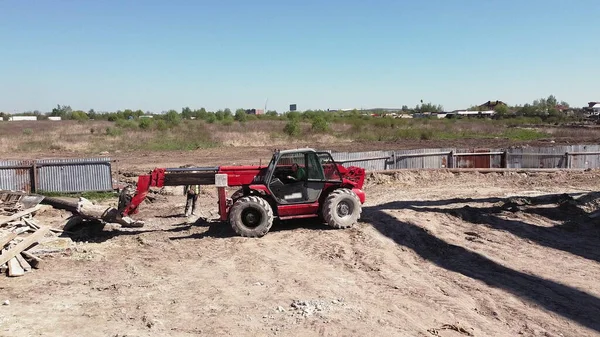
(501, 111)
(227, 114)
(79, 115)
(319, 124)
(63, 111)
(241, 115)
(145, 123)
(201, 113)
(173, 118)
(292, 128)
(293, 115)
(186, 113)
(220, 115)
(429, 107)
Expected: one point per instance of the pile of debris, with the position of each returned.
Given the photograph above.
(19, 232)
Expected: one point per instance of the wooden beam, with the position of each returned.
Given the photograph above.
(14, 268)
(19, 215)
(5, 240)
(34, 261)
(23, 263)
(30, 240)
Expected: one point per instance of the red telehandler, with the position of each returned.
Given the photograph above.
(328, 191)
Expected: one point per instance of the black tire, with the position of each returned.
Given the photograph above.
(341, 208)
(237, 194)
(251, 217)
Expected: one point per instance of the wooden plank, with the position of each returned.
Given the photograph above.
(14, 268)
(31, 223)
(5, 240)
(34, 261)
(24, 229)
(19, 215)
(23, 263)
(30, 240)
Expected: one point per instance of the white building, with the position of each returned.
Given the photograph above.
(54, 118)
(22, 118)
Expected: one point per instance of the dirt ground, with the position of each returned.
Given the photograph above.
(435, 254)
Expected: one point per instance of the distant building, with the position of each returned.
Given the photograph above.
(491, 105)
(469, 113)
(146, 116)
(255, 111)
(593, 108)
(22, 118)
(54, 118)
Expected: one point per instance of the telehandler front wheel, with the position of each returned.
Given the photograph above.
(341, 208)
(251, 216)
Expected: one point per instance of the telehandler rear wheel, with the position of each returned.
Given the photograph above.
(341, 208)
(251, 216)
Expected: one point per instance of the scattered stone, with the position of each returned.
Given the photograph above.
(308, 308)
(280, 309)
(7, 302)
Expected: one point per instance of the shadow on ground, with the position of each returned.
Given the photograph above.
(561, 299)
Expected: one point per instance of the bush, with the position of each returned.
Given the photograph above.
(173, 118)
(241, 116)
(319, 124)
(113, 132)
(292, 128)
(145, 123)
(126, 124)
(211, 118)
(227, 121)
(161, 125)
(27, 132)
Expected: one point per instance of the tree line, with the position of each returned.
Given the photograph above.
(545, 108)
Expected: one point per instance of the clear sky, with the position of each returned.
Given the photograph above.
(158, 55)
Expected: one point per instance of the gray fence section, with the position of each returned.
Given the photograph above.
(57, 175)
(572, 157)
(14, 178)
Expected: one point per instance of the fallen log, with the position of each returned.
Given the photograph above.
(28, 242)
(87, 209)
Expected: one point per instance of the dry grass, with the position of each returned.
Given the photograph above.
(97, 136)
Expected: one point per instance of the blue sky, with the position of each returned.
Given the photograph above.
(159, 55)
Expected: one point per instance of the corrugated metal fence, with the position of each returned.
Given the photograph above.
(571, 157)
(57, 175)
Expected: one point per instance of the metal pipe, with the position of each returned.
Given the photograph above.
(360, 159)
(537, 154)
(582, 153)
(424, 154)
(480, 170)
(479, 154)
(189, 169)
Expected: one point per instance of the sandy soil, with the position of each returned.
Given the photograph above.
(436, 254)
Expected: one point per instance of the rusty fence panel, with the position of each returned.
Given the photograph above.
(57, 175)
(16, 175)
